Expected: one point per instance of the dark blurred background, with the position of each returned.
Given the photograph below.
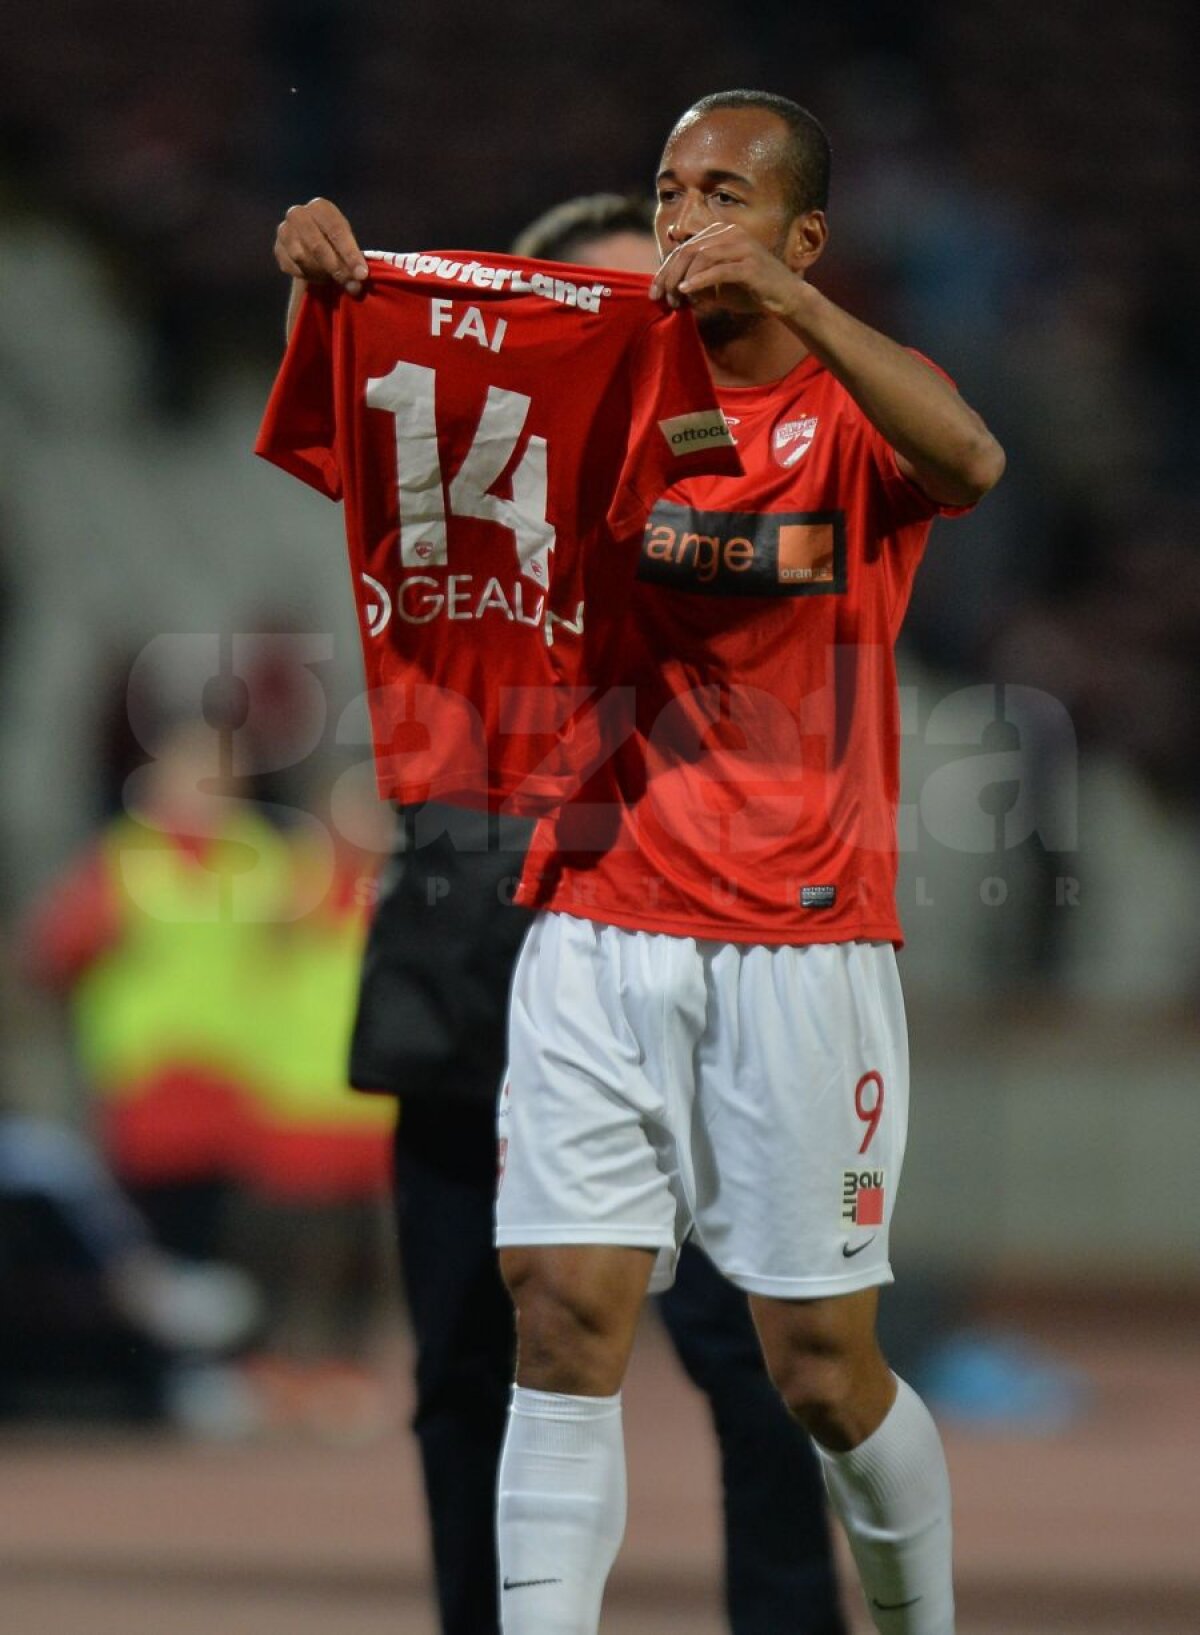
(1016, 193)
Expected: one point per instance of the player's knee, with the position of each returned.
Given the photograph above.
(569, 1339)
(824, 1360)
(833, 1380)
(815, 1385)
(557, 1350)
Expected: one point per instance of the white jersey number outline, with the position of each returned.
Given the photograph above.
(408, 394)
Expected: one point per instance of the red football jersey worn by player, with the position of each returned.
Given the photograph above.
(489, 423)
(753, 794)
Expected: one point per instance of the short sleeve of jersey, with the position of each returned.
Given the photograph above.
(299, 429)
(677, 430)
(906, 500)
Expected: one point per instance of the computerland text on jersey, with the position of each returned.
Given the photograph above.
(510, 280)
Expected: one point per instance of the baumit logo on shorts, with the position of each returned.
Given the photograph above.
(745, 553)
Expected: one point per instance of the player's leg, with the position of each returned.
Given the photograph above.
(796, 1158)
(584, 1203)
(463, 1328)
(561, 1497)
(779, 1567)
(881, 1453)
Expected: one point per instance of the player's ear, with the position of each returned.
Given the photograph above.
(807, 237)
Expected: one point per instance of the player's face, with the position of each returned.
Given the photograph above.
(623, 252)
(726, 166)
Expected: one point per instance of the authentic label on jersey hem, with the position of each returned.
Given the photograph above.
(818, 896)
(745, 553)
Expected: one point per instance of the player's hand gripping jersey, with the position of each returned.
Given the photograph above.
(753, 796)
(490, 423)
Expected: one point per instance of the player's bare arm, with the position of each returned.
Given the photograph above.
(314, 244)
(941, 443)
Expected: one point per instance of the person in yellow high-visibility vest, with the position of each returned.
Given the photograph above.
(211, 960)
(158, 933)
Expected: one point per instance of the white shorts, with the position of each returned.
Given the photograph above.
(754, 1096)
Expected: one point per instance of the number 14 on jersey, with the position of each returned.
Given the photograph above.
(408, 394)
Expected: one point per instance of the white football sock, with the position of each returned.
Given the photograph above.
(561, 1511)
(892, 1493)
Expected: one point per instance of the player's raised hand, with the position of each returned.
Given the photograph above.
(314, 241)
(726, 265)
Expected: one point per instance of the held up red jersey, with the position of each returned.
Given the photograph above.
(489, 424)
(752, 792)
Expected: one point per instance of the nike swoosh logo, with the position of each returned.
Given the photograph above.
(848, 1254)
(894, 1606)
(524, 1583)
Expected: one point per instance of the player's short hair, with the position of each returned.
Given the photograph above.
(560, 233)
(808, 154)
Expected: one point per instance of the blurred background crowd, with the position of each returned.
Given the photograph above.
(189, 832)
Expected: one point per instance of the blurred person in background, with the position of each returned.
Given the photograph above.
(430, 1029)
(155, 936)
(210, 960)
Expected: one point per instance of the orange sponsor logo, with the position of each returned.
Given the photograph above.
(806, 553)
(745, 553)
